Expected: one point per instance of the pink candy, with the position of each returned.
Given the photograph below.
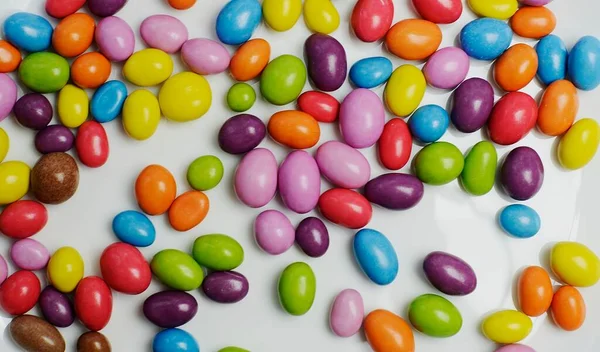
(343, 165)
(362, 117)
(3, 269)
(274, 232)
(535, 2)
(515, 348)
(347, 313)
(115, 38)
(299, 182)
(164, 32)
(256, 178)
(8, 95)
(447, 68)
(205, 56)
(29, 254)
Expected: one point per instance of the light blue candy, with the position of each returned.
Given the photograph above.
(485, 38)
(371, 72)
(375, 256)
(429, 123)
(237, 21)
(584, 63)
(520, 221)
(107, 102)
(552, 59)
(29, 32)
(174, 340)
(134, 228)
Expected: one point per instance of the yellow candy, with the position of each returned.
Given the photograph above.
(73, 106)
(282, 15)
(579, 145)
(65, 269)
(148, 67)
(404, 90)
(14, 181)
(185, 97)
(4, 144)
(141, 114)
(500, 9)
(321, 16)
(507, 326)
(575, 264)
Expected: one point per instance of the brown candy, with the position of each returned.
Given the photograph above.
(93, 341)
(54, 178)
(36, 335)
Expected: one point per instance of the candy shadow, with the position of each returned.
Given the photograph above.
(490, 78)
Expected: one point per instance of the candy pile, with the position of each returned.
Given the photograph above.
(187, 96)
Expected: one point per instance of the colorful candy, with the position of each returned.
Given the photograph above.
(516, 67)
(449, 274)
(534, 291)
(558, 108)
(281, 15)
(141, 114)
(155, 190)
(575, 264)
(54, 178)
(347, 313)
(376, 256)
(568, 308)
(299, 182)
(371, 72)
(343, 165)
(297, 287)
(282, 80)
(108, 100)
(33, 111)
(522, 173)
(533, 22)
(583, 68)
(385, 331)
(578, 146)
(174, 340)
(321, 16)
(362, 118)
(325, 61)
(56, 307)
(346, 208)
(148, 67)
(535, 2)
(241, 97)
(225, 286)
(105, 8)
(413, 39)
(8, 95)
(177, 270)
(552, 59)
(184, 97)
(60, 8)
(295, 129)
(35, 334)
(439, 163)
(435, 316)
(93, 341)
(93, 303)
(90, 70)
(255, 180)
(54, 139)
(65, 269)
(14, 181)
(405, 90)
(395, 191)
(182, 4)
(134, 228)
(506, 326)
(429, 123)
(164, 32)
(446, 68)
(371, 19)
(479, 173)
(73, 106)
(520, 221)
(29, 254)
(170, 309)
(205, 173)
(124, 269)
(91, 144)
(28, 31)
(395, 144)
(10, 57)
(312, 237)
(250, 59)
(19, 292)
(485, 38)
(115, 38)
(500, 9)
(218, 252)
(237, 20)
(205, 56)
(241, 133)
(23, 218)
(439, 11)
(73, 35)
(4, 144)
(273, 231)
(44, 72)
(513, 116)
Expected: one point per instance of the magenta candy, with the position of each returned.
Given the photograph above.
(33, 111)
(29, 254)
(515, 348)
(256, 178)
(274, 232)
(472, 104)
(449, 274)
(446, 68)
(299, 182)
(395, 191)
(56, 307)
(8, 95)
(312, 237)
(54, 138)
(205, 56)
(362, 117)
(343, 165)
(225, 286)
(170, 309)
(522, 173)
(325, 62)
(534, 3)
(105, 8)
(3, 269)
(164, 32)
(241, 133)
(115, 38)
(347, 313)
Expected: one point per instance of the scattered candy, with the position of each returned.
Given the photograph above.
(115, 39)
(237, 21)
(14, 181)
(413, 39)
(33, 111)
(533, 22)
(568, 308)
(485, 38)
(241, 97)
(90, 70)
(73, 106)
(250, 59)
(105, 8)
(56, 307)
(44, 72)
(164, 32)
(225, 286)
(274, 232)
(108, 100)
(73, 35)
(19, 292)
(60, 8)
(362, 118)
(376, 256)
(170, 309)
(479, 173)
(321, 16)
(405, 90)
(513, 116)
(575, 264)
(34, 334)
(93, 303)
(520, 221)
(429, 123)
(558, 108)
(205, 173)
(182, 4)
(516, 67)
(439, 163)
(347, 313)
(28, 31)
(177, 270)
(552, 59)
(29, 254)
(395, 191)
(65, 269)
(91, 144)
(93, 341)
(343, 165)
(241, 133)
(371, 72)
(141, 114)
(281, 15)
(522, 173)
(506, 326)
(534, 291)
(54, 178)
(446, 68)
(295, 129)
(8, 95)
(124, 269)
(386, 331)
(188, 210)
(297, 287)
(10, 57)
(578, 146)
(205, 56)
(583, 68)
(255, 180)
(435, 316)
(134, 228)
(346, 208)
(218, 252)
(500, 9)
(325, 61)
(395, 144)
(155, 190)
(449, 274)
(54, 139)
(312, 237)
(148, 67)
(23, 218)
(282, 80)
(439, 11)
(174, 340)
(299, 182)
(535, 2)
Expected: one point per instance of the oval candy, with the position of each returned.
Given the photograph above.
(325, 62)
(35, 334)
(225, 286)
(321, 16)
(413, 39)
(14, 181)
(241, 97)
(218, 252)
(174, 340)
(371, 19)
(104, 8)
(65, 269)
(500, 9)
(297, 287)
(520, 221)
(429, 123)
(61, 8)
(205, 56)
(170, 309)
(405, 90)
(282, 80)
(434, 316)
(90, 70)
(281, 15)
(8, 95)
(395, 191)
(10, 57)
(53, 139)
(237, 20)
(54, 178)
(516, 67)
(134, 228)
(205, 173)
(312, 237)
(376, 256)
(473, 101)
(449, 274)
(184, 97)
(250, 59)
(91, 144)
(155, 190)
(346, 208)
(273, 231)
(534, 291)
(188, 210)
(343, 165)
(385, 331)
(164, 32)
(568, 308)
(23, 218)
(73, 35)
(56, 307)
(73, 106)
(115, 38)
(395, 144)
(294, 129)
(439, 163)
(241, 133)
(485, 38)
(533, 22)
(439, 11)
(93, 341)
(347, 313)
(125, 269)
(446, 68)
(148, 67)
(44, 72)
(299, 182)
(575, 264)
(255, 181)
(108, 100)
(177, 270)
(552, 59)
(362, 118)
(522, 173)
(371, 72)
(19, 292)
(321, 106)
(28, 31)
(506, 326)
(583, 66)
(93, 303)
(29, 254)
(141, 114)
(513, 116)
(479, 173)
(578, 146)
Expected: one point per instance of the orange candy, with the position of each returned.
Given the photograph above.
(10, 57)
(516, 67)
(558, 108)
(250, 59)
(534, 291)
(568, 308)
(155, 190)
(294, 129)
(90, 70)
(388, 332)
(188, 210)
(73, 35)
(533, 22)
(413, 39)
(182, 4)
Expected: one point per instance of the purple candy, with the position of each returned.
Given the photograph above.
(326, 61)
(241, 133)
(522, 173)
(56, 307)
(473, 101)
(105, 8)
(54, 138)
(33, 111)
(170, 309)
(225, 286)
(395, 191)
(312, 236)
(449, 274)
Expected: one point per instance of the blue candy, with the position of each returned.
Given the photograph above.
(429, 123)
(485, 38)
(29, 32)
(371, 72)
(108, 101)
(134, 228)
(237, 21)
(552, 59)
(584, 63)
(174, 340)
(375, 256)
(520, 221)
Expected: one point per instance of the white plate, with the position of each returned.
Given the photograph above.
(447, 219)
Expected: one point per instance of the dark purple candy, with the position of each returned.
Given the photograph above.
(33, 111)
(225, 286)
(241, 133)
(105, 8)
(473, 101)
(326, 61)
(170, 309)
(449, 274)
(56, 307)
(522, 173)
(395, 191)
(54, 138)
(312, 236)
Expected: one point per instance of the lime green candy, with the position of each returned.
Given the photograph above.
(439, 163)
(479, 173)
(283, 79)
(44, 72)
(297, 288)
(218, 252)
(233, 349)
(177, 270)
(205, 173)
(241, 97)
(435, 316)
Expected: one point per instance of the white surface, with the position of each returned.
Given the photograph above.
(447, 219)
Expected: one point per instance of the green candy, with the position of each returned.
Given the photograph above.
(218, 252)
(435, 316)
(233, 349)
(44, 72)
(282, 80)
(297, 288)
(479, 174)
(439, 163)
(177, 270)
(241, 97)
(205, 173)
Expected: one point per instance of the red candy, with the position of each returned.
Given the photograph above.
(371, 19)
(439, 11)
(93, 303)
(19, 292)
(513, 116)
(346, 208)
(91, 144)
(322, 106)
(395, 144)
(23, 218)
(63, 8)
(124, 268)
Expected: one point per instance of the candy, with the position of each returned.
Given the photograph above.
(516, 67)
(515, 348)
(44, 72)
(579, 145)
(141, 114)
(205, 56)
(362, 118)
(449, 274)
(54, 178)
(552, 59)
(534, 3)
(394, 191)
(241, 133)
(91, 144)
(479, 173)
(297, 287)
(108, 100)
(568, 308)
(155, 190)
(177, 270)
(345, 208)
(583, 68)
(522, 173)
(500, 9)
(237, 20)
(164, 32)
(56, 307)
(255, 180)
(105, 8)
(371, 19)
(438, 163)
(65, 269)
(90, 70)
(19, 292)
(8, 95)
(274, 232)
(446, 68)
(485, 38)
(73, 105)
(294, 129)
(188, 210)
(506, 326)
(61, 8)
(218, 252)
(533, 22)
(343, 165)
(225, 286)
(281, 15)
(174, 340)
(10, 57)
(34, 334)
(185, 97)
(170, 309)
(534, 291)
(413, 39)
(250, 59)
(4, 144)
(33, 111)
(93, 303)
(299, 182)
(439, 11)
(326, 62)
(395, 144)
(3, 269)
(405, 90)
(575, 264)
(376, 256)
(28, 31)
(134, 228)
(29, 254)
(321, 16)
(205, 173)
(124, 269)
(520, 221)
(93, 341)
(473, 101)
(435, 316)
(14, 181)
(148, 67)
(23, 218)
(115, 38)
(73, 35)
(429, 123)
(513, 116)
(322, 106)
(371, 72)
(312, 237)
(347, 313)
(282, 80)
(241, 97)
(53, 139)
(182, 4)
(385, 331)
